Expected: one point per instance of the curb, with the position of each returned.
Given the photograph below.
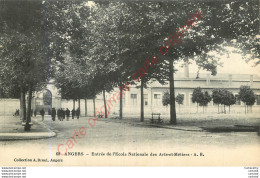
(176, 128)
(159, 126)
(26, 136)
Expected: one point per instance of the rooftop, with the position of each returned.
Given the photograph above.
(220, 80)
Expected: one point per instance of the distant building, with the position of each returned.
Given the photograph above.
(184, 84)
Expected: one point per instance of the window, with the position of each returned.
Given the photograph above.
(157, 96)
(145, 99)
(133, 96)
(237, 100)
(258, 99)
(157, 99)
(134, 99)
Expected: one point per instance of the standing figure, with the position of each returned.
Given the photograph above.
(62, 113)
(73, 113)
(42, 112)
(77, 113)
(67, 114)
(35, 112)
(53, 114)
(58, 114)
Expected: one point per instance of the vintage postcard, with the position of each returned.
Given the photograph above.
(120, 83)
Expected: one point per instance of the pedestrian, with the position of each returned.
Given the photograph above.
(16, 113)
(62, 114)
(58, 114)
(73, 113)
(67, 114)
(49, 111)
(53, 114)
(42, 112)
(77, 113)
(35, 112)
(31, 112)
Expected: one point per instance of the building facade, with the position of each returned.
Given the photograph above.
(184, 84)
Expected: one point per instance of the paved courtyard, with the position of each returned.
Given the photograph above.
(115, 135)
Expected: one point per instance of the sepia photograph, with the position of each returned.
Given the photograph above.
(129, 83)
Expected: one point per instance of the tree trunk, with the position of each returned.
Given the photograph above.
(94, 105)
(79, 106)
(21, 104)
(142, 101)
(218, 108)
(74, 104)
(120, 106)
(24, 107)
(173, 119)
(104, 97)
(28, 116)
(86, 107)
(224, 109)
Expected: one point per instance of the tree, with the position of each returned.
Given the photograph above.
(247, 96)
(228, 99)
(200, 98)
(74, 79)
(213, 33)
(179, 99)
(30, 70)
(197, 96)
(166, 98)
(70, 45)
(205, 100)
(217, 97)
(24, 61)
(120, 34)
(224, 97)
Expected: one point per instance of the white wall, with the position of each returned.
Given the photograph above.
(8, 106)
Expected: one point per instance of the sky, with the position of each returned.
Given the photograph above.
(232, 65)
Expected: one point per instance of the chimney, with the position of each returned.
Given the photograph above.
(186, 70)
(251, 80)
(208, 79)
(230, 79)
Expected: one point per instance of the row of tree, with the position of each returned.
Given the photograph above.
(92, 47)
(220, 96)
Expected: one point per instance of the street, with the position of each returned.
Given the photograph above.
(108, 135)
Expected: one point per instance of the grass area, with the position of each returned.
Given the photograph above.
(209, 122)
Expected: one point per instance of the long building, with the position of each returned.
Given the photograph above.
(184, 84)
